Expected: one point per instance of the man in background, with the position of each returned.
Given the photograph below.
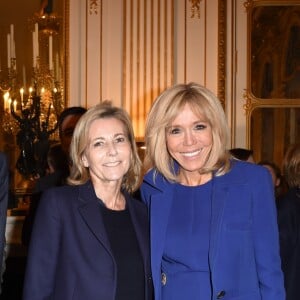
(242, 154)
(66, 125)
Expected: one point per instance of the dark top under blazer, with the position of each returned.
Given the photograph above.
(69, 253)
(244, 258)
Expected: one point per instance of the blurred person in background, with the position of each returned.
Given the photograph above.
(278, 179)
(67, 121)
(289, 222)
(242, 154)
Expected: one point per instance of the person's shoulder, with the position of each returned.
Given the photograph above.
(2, 155)
(291, 197)
(248, 167)
(3, 159)
(3, 167)
(152, 176)
(242, 171)
(135, 198)
(289, 203)
(137, 205)
(60, 197)
(65, 191)
(154, 181)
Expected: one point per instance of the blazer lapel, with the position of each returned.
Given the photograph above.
(90, 212)
(160, 207)
(220, 193)
(219, 196)
(139, 227)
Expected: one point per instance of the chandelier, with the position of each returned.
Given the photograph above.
(30, 107)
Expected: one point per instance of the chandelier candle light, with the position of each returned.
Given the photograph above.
(31, 112)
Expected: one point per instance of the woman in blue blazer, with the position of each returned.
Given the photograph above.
(90, 239)
(213, 227)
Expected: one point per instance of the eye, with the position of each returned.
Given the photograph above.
(200, 126)
(120, 139)
(98, 144)
(174, 130)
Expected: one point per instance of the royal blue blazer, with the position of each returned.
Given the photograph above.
(69, 253)
(244, 256)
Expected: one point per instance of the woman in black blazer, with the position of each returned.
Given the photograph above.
(90, 238)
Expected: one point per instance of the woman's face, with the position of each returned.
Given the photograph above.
(108, 153)
(189, 140)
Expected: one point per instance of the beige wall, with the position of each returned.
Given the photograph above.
(128, 51)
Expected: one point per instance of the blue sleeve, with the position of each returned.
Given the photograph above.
(266, 238)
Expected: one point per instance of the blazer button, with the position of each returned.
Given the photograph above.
(163, 278)
(221, 294)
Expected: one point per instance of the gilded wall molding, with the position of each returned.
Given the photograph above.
(66, 51)
(222, 50)
(148, 56)
(248, 5)
(94, 7)
(195, 8)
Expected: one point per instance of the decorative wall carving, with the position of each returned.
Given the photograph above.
(94, 7)
(195, 8)
(222, 50)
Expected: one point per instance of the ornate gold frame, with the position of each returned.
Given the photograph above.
(66, 51)
(222, 4)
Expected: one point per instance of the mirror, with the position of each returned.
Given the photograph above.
(273, 84)
(275, 51)
(272, 130)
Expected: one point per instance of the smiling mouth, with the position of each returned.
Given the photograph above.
(112, 164)
(191, 154)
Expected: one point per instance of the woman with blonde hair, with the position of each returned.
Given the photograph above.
(90, 238)
(213, 227)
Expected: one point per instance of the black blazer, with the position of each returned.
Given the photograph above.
(289, 233)
(69, 254)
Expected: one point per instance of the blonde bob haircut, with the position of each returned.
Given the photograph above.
(165, 109)
(79, 174)
(291, 166)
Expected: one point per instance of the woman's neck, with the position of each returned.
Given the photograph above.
(193, 179)
(111, 196)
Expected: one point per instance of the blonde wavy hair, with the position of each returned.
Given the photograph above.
(165, 109)
(79, 174)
